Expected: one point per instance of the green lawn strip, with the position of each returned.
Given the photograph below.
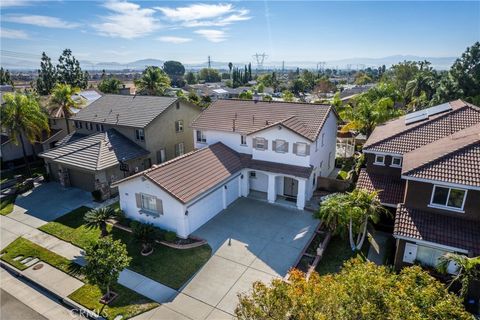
(6, 205)
(128, 303)
(338, 251)
(169, 266)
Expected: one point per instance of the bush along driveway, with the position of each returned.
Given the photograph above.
(169, 266)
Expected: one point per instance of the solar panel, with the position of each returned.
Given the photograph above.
(426, 113)
(438, 109)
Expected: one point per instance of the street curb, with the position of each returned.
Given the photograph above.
(72, 305)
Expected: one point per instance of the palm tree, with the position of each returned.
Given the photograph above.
(145, 234)
(230, 67)
(97, 218)
(468, 269)
(154, 81)
(61, 102)
(333, 212)
(23, 119)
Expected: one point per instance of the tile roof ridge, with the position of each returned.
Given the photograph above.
(273, 102)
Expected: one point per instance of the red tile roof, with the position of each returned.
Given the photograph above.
(391, 189)
(248, 116)
(437, 228)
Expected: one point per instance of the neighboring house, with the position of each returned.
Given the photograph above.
(273, 151)
(427, 165)
(137, 131)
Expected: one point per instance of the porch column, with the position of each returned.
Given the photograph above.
(245, 184)
(272, 195)
(301, 194)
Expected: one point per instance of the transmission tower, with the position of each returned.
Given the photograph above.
(260, 58)
(321, 66)
(209, 62)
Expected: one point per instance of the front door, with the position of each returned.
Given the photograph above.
(290, 187)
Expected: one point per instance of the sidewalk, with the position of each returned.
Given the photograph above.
(128, 278)
(378, 245)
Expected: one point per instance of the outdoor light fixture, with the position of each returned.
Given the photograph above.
(186, 212)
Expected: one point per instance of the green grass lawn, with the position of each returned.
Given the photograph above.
(128, 303)
(338, 251)
(169, 266)
(6, 205)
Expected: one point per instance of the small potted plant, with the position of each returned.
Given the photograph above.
(145, 234)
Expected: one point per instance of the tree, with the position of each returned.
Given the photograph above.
(267, 98)
(23, 119)
(105, 260)
(400, 74)
(361, 290)
(468, 270)
(47, 76)
(190, 78)
(98, 217)
(154, 82)
(333, 213)
(362, 78)
(69, 71)
(287, 96)
(247, 95)
(109, 85)
(209, 75)
(175, 70)
(145, 234)
(5, 77)
(230, 66)
(61, 102)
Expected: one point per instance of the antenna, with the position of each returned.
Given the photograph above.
(260, 58)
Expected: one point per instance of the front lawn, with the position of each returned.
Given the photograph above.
(6, 205)
(172, 267)
(338, 251)
(128, 303)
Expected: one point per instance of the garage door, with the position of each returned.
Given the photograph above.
(205, 209)
(232, 191)
(82, 180)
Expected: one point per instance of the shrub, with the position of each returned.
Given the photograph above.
(144, 233)
(97, 195)
(170, 236)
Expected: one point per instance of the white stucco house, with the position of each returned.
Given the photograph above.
(270, 150)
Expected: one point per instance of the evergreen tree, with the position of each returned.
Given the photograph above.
(47, 76)
(250, 72)
(5, 77)
(190, 78)
(69, 71)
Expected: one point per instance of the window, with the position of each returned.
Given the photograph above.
(396, 162)
(379, 160)
(101, 128)
(90, 126)
(301, 149)
(253, 174)
(323, 139)
(280, 146)
(97, 126)
(179, 149)
(179, 126)
(448, 198)
(314, 179)
(243, 140)
(427, 256)
(201, 136)
(151, 204)
(140, 134)
(78, 124)
(260, 144)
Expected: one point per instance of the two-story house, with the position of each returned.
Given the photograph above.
(274, 150)
(427, 166)
(118, 135)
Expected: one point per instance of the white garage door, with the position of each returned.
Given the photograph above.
(205, 209)
(232, 191)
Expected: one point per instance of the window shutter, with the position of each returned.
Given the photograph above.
(286, 146)
(138, 198)
(295, 148)
(307, 150)
(274, 145)
(255, 143)
(266, 145)
(159, 206)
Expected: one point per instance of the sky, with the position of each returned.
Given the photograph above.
(125, 31)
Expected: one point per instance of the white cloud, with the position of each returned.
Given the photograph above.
(40, 21)
(128, 20)
(205, 15)
(175, 40)
(212, 35)
(13, 34)
(14, 3)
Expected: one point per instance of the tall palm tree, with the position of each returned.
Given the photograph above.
(333, 212)
(97, 218)
(468, 269)
(23, 119)
(61, 102)
(154, 82)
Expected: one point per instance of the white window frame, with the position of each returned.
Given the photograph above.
(264, 143)
(201, 137)
(181, 149)
(243, 140)
(323, 139)
(303, 154)
(148, 197)
(446, 206)
(139, 134)
(179, 126)
(397, 165)
(253, 174)
(284, 144)
(379, 163)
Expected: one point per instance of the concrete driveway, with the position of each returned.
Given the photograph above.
(251, 240)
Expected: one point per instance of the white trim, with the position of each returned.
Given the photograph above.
(440, 207)
(384, 153)
(431, 244)
(396, 165)
(449, 184)
(378, 163)
(389, 205)
(446, 206)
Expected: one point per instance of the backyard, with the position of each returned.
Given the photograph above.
(338, 251)
(169, 266)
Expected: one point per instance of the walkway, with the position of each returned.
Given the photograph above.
(378, 247)
(11, 229)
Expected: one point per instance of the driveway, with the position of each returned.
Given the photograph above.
(251, 240)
